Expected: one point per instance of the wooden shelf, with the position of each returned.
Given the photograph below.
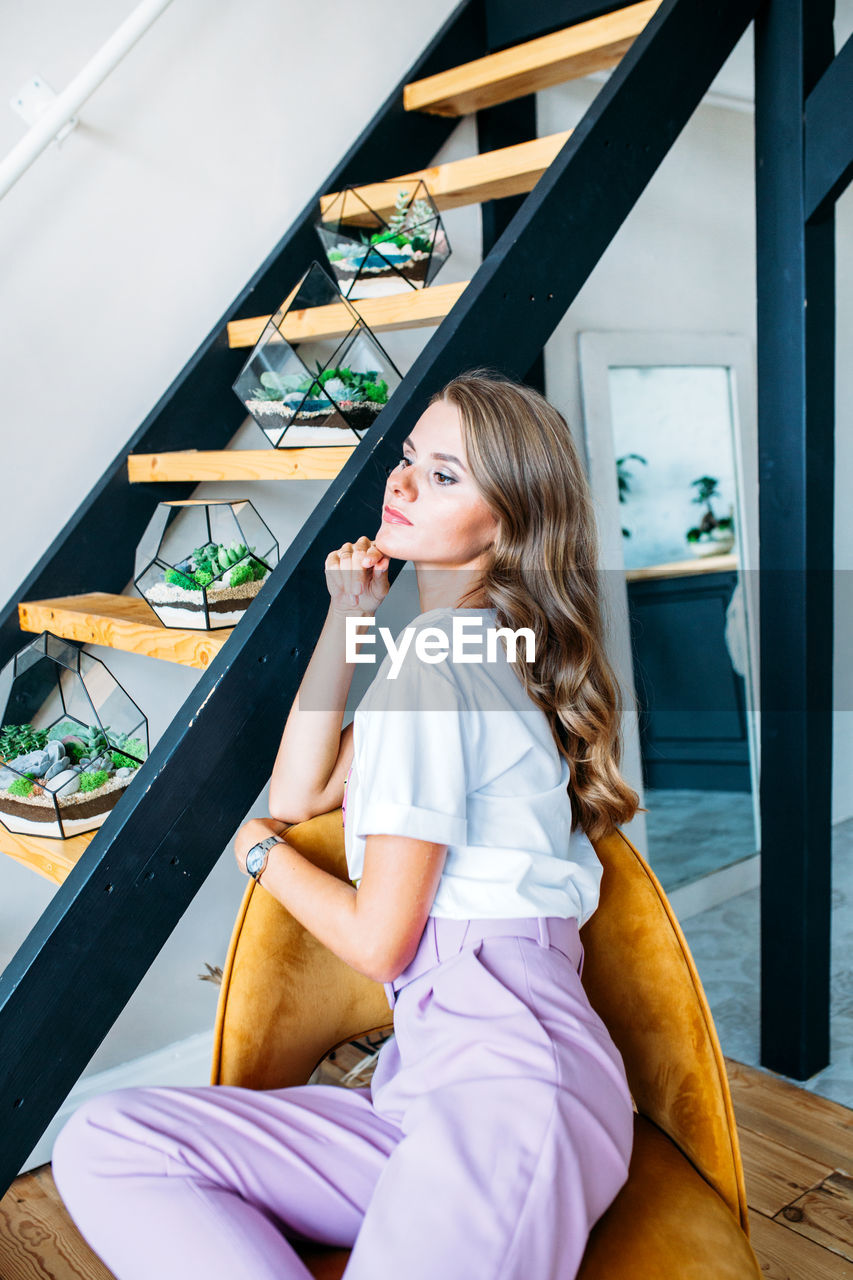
(499, 77)
(121, 622)
(322, 463)
(412, 309)
(52, 859)
(685, 568)
(508, 171)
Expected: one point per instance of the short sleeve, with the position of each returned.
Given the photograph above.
(411, 745)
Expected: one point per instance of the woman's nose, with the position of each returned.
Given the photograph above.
(399, 482)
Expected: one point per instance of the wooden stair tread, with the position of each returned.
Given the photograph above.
(121, 622)
(52, 859)
(507, 171)
(320, 463)
(499, 77)
(411, 309)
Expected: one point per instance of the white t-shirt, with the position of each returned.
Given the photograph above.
(456, 753)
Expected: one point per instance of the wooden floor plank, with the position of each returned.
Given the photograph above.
(239, 464)
(825, 1215)
(408, 309)
(817, 1127)
(536, 64)
(775, 1175)
(52, 859)
(507, 171)
(38, 1240)
(121, 622)
(784, 1255)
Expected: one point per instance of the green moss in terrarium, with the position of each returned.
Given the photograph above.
(376, 391)
(92, 781)
(178, 579)
(20, 787)
(240, 574)
(259, 570)
(135, 746)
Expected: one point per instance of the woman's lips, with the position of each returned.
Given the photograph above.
(394, 517)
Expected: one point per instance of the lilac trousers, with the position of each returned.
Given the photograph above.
(497, 1128)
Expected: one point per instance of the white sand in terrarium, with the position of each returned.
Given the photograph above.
(70, 825)
(377, 288)
(306, 436)
(286, 411)
(168, 598)
(171, 593)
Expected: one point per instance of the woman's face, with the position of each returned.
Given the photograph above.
(449, 524)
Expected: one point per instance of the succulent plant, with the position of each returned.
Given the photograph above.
(275, 386)
(94, 740)
(18, 739)
(407, 224)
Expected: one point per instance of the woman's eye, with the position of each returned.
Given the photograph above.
(441, 475)
(394, 465)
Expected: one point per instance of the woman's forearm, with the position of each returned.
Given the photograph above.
(312, 734)
(322, 903)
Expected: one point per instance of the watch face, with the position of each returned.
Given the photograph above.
(255, 859)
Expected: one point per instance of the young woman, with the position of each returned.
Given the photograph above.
(498, 1125)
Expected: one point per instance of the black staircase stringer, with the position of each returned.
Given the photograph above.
(82, 961)
(199, 410)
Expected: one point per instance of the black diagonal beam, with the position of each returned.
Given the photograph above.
(199, 410)
(508, 22)
(503, 126)
(829, 134)
(83, 960)
(796, 358)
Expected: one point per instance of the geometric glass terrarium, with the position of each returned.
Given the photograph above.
(304, 389)
(71, 740)
(200, 564)
(383, 249)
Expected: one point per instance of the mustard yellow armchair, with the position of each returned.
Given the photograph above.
(682, 1214)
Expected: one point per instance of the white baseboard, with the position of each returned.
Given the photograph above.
(718, 886)
(185, 1063)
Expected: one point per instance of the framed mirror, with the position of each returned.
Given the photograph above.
(670, 433)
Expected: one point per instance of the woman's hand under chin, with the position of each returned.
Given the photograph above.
(357, 578)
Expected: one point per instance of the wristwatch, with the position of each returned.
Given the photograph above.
(256, 858)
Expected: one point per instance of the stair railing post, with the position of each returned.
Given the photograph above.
(796, 370)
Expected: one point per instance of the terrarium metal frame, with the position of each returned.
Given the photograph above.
(212, 585)
(336, 401)
(45, 773)
(368, 252)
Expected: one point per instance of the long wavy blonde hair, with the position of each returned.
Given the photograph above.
(544, 575)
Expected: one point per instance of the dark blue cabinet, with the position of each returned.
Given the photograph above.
(692, 701)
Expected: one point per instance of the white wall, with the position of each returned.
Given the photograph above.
(124, 246)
